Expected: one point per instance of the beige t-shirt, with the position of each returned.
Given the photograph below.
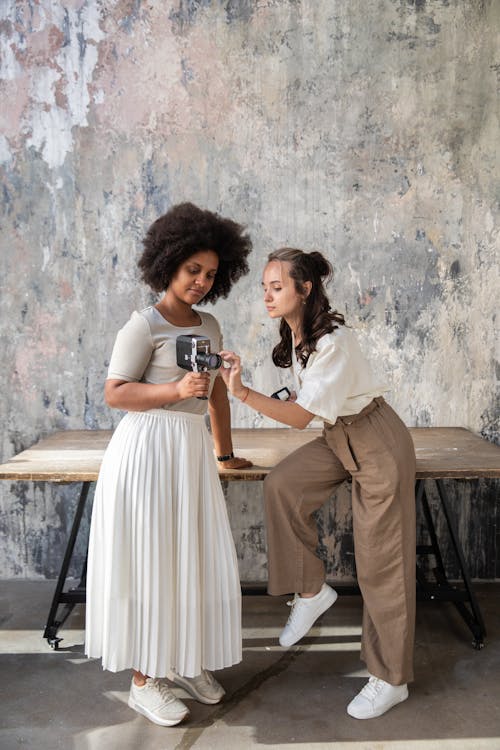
(337, 379)
(145, 351)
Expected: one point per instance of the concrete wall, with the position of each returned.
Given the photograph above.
(367, 129)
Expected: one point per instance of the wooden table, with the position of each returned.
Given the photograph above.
(442, 453)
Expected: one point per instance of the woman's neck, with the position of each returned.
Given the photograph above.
(295, 324)
(177, 312)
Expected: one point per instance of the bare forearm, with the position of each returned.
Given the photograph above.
(286, 412)
(220, 419)
(140, 396)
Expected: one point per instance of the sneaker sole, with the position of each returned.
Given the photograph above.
(155, 719)
(189, 688)
(381, 712)
(332, 599)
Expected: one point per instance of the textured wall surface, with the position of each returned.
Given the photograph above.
(367, 129)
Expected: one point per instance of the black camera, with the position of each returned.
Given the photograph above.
(193, 353)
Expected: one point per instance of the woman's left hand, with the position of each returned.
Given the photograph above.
(235, 463)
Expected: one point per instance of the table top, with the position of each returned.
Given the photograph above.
(75, 455)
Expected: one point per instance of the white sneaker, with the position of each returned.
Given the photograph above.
(376, 698)
(157, 703)
(204, 687)
(305, 612)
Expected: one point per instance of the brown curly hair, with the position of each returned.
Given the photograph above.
(185, 230)
(319, 318)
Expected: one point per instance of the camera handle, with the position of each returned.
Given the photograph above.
(197, 368)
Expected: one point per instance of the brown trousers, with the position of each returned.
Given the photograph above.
(374, 448)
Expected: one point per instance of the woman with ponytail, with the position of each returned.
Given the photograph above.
(363, 440)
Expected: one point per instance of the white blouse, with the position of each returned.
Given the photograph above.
(337, 379)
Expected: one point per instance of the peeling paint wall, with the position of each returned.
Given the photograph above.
(367, 129)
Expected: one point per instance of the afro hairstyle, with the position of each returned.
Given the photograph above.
(185, 230)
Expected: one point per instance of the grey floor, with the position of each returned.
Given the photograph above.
(291, 699)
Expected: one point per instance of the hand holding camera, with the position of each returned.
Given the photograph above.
(194, 385)
(193, 354)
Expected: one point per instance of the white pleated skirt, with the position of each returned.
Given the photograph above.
(163, 588)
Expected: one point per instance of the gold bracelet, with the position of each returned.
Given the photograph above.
(246, 396)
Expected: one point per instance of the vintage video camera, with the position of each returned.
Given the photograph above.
(193, 353)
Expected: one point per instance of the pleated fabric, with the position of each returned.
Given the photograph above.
(163, 588)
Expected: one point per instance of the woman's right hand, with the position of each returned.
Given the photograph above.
(194, 385)
(232, 375)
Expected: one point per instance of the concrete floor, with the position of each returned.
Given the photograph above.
(291, 699)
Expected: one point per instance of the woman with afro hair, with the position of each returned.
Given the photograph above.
(163, 592)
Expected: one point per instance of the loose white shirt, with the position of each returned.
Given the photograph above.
(337, 379)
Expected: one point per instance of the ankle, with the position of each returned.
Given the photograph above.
(310, 596)
(140, 679)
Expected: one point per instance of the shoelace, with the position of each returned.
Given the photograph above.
(292, 603)
(164, 691)
(372, 688)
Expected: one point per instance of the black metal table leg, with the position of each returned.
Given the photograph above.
(73, 596)
(472, 617)
(464, 600)
(433, 548)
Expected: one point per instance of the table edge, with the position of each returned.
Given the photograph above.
(234, 476)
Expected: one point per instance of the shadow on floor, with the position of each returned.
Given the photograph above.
(276, 698)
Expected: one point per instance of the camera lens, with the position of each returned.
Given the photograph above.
(210, 361)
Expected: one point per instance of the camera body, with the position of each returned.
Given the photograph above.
(193, 353)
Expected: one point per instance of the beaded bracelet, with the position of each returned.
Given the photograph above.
(226, 458)
(246, 396)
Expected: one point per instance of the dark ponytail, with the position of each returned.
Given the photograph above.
(319, 318)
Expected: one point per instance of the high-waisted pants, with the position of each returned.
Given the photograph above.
(375, 449)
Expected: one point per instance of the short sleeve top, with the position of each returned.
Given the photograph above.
(145, 352)
(337, 379)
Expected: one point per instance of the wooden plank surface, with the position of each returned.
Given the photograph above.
(75, 455)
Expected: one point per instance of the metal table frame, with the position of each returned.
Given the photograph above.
(443, 453)
(76, 595)
(441, 589)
